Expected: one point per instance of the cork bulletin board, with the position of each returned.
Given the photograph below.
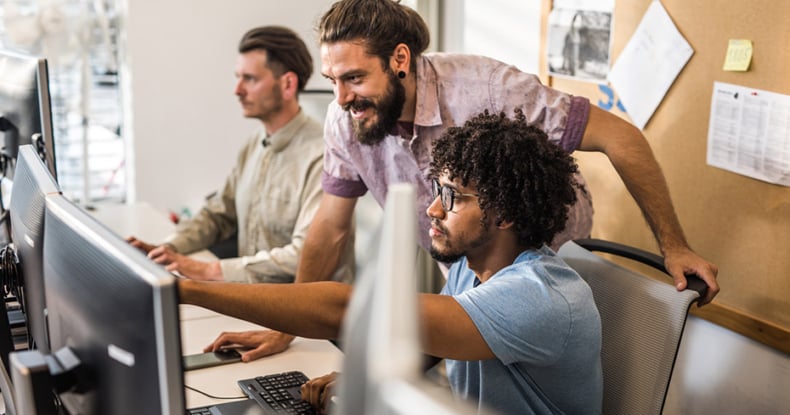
(739, 223)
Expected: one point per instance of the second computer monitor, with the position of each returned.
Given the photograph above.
(32, 185)
(117, 311)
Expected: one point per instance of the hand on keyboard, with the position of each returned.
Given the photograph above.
(281, 392)
(319, 391)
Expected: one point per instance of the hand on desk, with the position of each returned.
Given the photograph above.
(319, 391)
(175, 262)
(260, 342)
(143, 246)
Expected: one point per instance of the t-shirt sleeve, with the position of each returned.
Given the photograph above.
(562, 116)
(521, 319)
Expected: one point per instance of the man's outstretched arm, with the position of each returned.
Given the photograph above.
(634, 161)
(314, 310)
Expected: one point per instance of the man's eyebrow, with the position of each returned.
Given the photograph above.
(448, 184)
(351, 73)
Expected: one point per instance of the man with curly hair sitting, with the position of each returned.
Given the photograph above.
(518, 327)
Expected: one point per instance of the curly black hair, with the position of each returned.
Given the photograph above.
(520, 176)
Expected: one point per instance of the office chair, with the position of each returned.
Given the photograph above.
(642, 321)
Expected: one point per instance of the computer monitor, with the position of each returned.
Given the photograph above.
(33, 183)
(25, 112)
(381, 330)
(115, 311)
(314, 102)
(26, 216)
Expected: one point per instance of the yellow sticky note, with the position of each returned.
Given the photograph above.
(739, 55)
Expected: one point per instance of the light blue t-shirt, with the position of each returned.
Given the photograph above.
(539, 318)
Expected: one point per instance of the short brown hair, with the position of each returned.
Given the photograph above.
(285, 51)
(379, 24)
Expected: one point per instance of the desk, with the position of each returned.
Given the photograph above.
(313, 357)
(140, 220)
(200, 326)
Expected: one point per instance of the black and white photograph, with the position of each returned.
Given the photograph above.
(579, 44)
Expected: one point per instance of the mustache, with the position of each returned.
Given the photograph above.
(359, 105)
(435, 223)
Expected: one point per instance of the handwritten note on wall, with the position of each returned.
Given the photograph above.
(739, 55)
(649, 64)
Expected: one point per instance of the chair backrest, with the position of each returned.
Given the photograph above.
(642, 321)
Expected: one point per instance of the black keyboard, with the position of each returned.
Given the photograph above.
(280, 392)
(273, 394)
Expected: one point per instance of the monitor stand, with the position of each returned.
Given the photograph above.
(37, 378)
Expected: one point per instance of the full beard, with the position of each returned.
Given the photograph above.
(388, 110)
(447, 258)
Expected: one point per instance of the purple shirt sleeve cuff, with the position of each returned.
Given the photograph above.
(578, 114)
(342, 187)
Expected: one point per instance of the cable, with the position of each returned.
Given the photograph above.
(12, 282)
(11, 275)
(212, 396)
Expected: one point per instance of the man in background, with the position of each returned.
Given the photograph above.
(272, 193)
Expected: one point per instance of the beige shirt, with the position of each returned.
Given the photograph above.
(270, 198)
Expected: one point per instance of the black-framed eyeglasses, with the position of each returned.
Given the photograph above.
(447, 195)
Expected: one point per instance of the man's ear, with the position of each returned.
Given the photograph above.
(289, 84)
(503, 224)
(401, 59)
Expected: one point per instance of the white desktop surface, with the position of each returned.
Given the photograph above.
(313, 357)
(140, 220)
(200, 326)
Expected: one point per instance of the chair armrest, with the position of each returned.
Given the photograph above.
(641, 256)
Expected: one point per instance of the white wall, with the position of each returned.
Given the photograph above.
(185, 123)
(508, 30)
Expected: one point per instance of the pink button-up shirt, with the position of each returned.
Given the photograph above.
(451, 89)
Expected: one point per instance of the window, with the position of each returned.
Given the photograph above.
(79, 39)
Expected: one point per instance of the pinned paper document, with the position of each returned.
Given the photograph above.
(748, 132)
(739, 55)
(649, 64)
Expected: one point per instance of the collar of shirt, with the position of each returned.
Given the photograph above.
(427, 111)
(279, 140)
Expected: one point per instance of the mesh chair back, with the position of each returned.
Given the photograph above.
(642, 321)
